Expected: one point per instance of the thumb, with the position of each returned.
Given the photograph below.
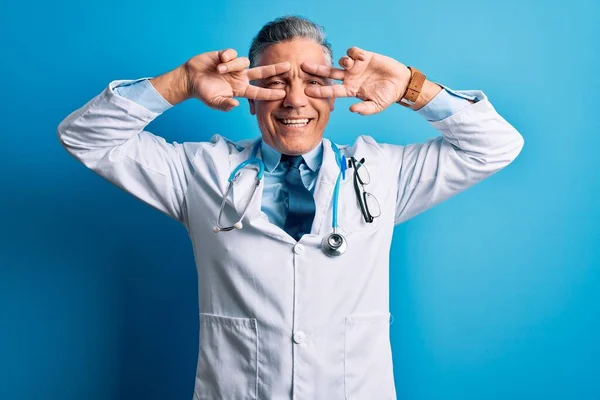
(365, 108)
(225, 103)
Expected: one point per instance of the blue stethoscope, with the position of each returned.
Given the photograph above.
(334, 244)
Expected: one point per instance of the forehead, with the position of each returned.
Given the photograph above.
(294, 51)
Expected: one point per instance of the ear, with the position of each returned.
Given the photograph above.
(252, 106)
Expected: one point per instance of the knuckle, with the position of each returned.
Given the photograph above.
(228, 54)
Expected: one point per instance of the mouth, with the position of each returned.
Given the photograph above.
(294, 123)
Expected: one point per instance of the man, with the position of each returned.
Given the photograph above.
(280, 318)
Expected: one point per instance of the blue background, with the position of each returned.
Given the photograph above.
(495, 293)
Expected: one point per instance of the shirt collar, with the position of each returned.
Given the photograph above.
(271, 157)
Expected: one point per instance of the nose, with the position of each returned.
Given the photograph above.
(295, 97)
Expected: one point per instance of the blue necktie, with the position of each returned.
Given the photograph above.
(301, 203)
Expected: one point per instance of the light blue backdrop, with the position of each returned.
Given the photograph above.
(495, 293)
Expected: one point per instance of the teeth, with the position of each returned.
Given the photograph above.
(295, 122)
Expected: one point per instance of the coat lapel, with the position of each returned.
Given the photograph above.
(244, 185)
(242, 191)
(324, 188)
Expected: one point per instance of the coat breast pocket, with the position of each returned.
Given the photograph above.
(368, 372)
(228, 358)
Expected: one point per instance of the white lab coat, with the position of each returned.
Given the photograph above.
(279, 319)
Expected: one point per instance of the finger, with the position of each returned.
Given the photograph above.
(225, 103)
(227, 55)
(259, 93)
(323, 71)
(327, 92)
(230, 104)
(267, 71)
(357, 53)
(237, 64)
(346, 62)
(365, 108)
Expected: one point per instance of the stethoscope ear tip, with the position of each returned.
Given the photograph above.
(238, 225)
(215, 229)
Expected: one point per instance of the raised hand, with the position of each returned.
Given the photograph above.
(217, 77)
(376, 79)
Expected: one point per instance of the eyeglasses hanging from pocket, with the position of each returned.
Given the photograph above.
(369, 206)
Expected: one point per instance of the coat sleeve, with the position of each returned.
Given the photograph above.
(475, 143)
(107, 135)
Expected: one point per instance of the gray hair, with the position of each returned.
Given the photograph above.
(284, 29)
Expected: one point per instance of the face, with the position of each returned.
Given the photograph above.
(295, 124)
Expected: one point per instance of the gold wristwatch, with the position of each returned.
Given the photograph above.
(417, 79)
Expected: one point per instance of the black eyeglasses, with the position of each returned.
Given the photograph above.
(369, 206)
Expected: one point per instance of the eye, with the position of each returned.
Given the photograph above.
(315, 82)
(273, 83)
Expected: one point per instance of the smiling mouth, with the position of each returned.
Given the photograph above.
(294, 122)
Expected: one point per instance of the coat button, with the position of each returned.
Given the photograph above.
(299, 337)
(298, 249)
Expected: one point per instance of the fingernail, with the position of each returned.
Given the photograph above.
(222, 68)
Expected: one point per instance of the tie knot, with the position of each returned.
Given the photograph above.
(294, 161)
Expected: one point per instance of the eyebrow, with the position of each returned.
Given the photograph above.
(307, 76)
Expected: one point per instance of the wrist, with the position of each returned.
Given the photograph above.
(412, 88)
(173, 86)
(428, 92)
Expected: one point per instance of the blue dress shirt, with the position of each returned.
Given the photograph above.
(274, 199)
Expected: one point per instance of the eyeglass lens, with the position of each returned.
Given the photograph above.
(363, 174)
(372, 205)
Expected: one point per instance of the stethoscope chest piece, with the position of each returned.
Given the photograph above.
(334, 244)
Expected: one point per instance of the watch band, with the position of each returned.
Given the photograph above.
(413, 90)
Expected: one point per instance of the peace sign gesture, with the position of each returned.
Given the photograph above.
(217, 77)
(376, 79)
